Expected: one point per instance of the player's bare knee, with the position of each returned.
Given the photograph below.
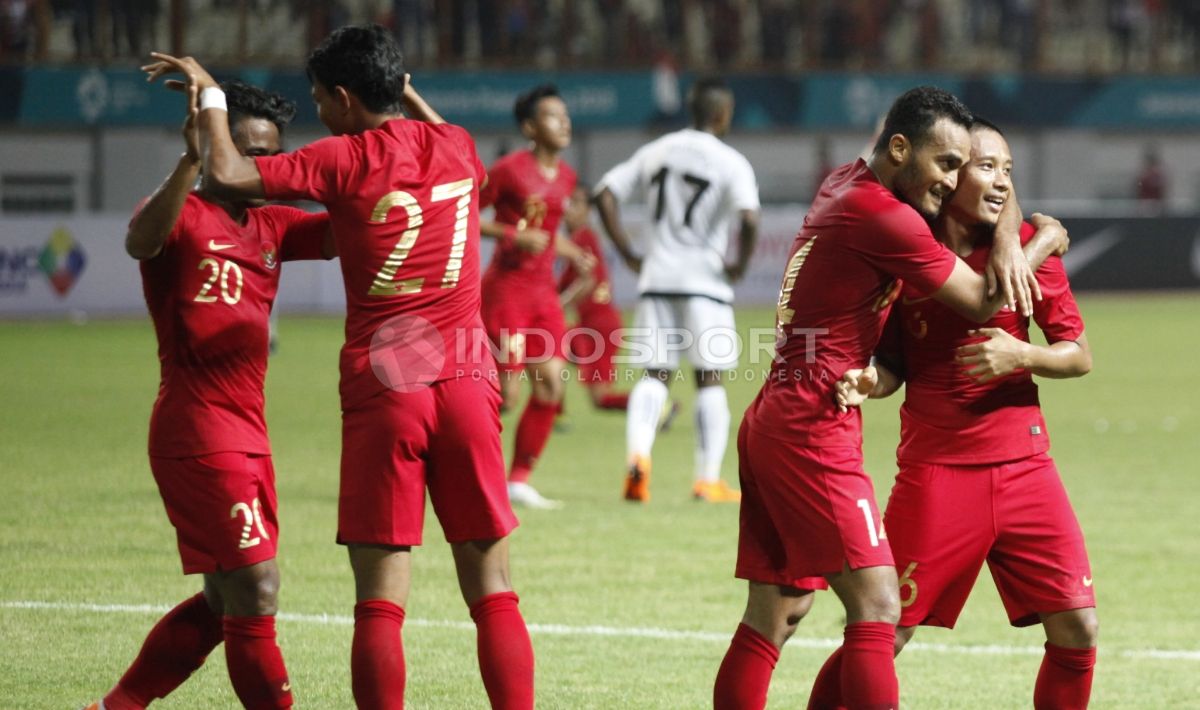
(549, 387)
(876, 604)
(1077, 628)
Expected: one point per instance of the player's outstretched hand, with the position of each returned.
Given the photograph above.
(193, 73)
(1001, 354)
(855, 387)
(532, 240)
(1009, 270)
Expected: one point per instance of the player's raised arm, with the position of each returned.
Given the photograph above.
(416, 107)
(227, 173)
(610, 217)
(153, 223)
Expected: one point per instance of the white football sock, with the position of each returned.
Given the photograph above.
(712, 431)
(641, 421)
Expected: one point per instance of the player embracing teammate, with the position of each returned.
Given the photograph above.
(809, 517)
(976, 481)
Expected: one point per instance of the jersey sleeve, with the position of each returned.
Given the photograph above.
(901, 244)
(625, 179)
(303, 235)
(1056, 314)
(318, 171)
(743, 190)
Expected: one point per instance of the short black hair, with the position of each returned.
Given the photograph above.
(914, 113)
(364, 60)
(707, 97)
(981, 122)
(246, 101)
(525, 107)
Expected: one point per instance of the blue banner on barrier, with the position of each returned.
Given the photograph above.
(65, 97)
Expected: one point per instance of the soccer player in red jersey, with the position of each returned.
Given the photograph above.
(420, 404)
(808, 512)
(210, 271)
(591, 341)
(521, 310)
(975, 481)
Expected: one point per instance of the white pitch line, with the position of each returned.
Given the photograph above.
(618, 632)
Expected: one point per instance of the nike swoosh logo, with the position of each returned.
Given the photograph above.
(286, 687)
(1087, 581)
(909, 301)
(1085, 251)
(212, 244)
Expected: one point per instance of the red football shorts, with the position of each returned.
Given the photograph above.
(525, 327)
(944, 521)
(590, 344)
(806, 512)
(446, 438)
(223, 507)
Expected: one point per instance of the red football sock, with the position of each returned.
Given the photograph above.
(255, 663)
(745, 674)
(869, 666)
(505, 653)
(534, 429)
(174, 648)
(827, 688)
(614, 400)
(1065, 679)
(377, 655)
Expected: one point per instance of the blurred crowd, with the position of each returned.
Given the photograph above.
(1055, 36)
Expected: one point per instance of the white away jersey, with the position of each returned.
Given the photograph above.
(693, 185)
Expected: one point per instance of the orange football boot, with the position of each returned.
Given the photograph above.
(715, 492)
(637, 482)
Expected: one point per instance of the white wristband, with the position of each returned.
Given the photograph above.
(213, 97)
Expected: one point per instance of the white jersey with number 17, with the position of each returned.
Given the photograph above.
(694, 185)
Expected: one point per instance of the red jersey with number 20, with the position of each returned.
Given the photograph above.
(857, 239)
(950, 418)
(209, 293)
(521, 192)
(403, 200)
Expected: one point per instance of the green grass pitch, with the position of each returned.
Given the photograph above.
(630, 606)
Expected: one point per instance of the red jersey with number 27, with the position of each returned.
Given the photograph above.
(403, 200)
(857, 239)
(520, 192)
(209, 293)
(950, 418)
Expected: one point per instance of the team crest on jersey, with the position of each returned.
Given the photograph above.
(535, 210)
(269, 257)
